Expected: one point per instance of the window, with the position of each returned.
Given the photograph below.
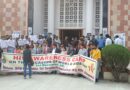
(97, 13)
(45, 15)
(72, 10)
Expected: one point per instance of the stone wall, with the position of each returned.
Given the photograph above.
(13, 16)
(119, 18)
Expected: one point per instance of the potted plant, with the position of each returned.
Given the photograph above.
(116, 59)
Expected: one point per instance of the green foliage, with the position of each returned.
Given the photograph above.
(116, 58)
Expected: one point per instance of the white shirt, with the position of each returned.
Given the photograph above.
(58, 41)
(4, 44)
(108, 42)
(40, 41)
(82, 52)
(33, 38)
(53, 51)
(11, 43)
(88, 41)
(118, 41)
(21, 42)
(26, 41)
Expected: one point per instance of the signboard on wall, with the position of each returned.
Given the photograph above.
(16, 34)
(30, 31)
(33, 38)
(89, 34)
(105, 31)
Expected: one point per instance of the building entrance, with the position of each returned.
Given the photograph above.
(73, 33)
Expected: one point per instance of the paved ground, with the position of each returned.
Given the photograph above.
(56, 82)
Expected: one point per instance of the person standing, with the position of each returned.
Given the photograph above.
(26, 40)
(57, 41)
(82, 50)
(38, 49)
(27, 61)
(95, 54)
(62, 48)
(108, 40)
(55, 49)
(40, 40)
(118, 40)
(73, 49)
(34, 51)
(89, 48)
(21, 41)
(45, 48)
(49, 41)
(101, 42)
(11, 45)
(66, 42)
(94, 40)
(4, 44)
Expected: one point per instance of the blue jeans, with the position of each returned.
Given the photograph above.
(25, 69)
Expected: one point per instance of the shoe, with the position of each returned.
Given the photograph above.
(30, 77)
(25, 78)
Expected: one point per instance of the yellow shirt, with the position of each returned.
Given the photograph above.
(95, 54)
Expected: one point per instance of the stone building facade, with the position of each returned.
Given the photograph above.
(13, 16)
(119, 18)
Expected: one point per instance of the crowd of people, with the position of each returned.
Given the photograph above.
(87, 46)
(44, 45)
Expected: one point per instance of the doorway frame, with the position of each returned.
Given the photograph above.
(61, 32)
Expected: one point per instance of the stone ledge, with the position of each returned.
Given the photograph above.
(129, 78)
(3, 73)
(125, 77)
(108, 76)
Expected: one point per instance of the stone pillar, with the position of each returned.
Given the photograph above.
(89, 16)
(101, 17)
(30, 13)
(51, 14)
(38, 17)
(109, 16)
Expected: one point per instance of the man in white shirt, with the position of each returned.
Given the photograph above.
(4, 45)
(55, 49)
(21, 41)
(108, 40)
(26, 40)
(57, 41)
(118, 41)
(11, 45)
(33, 38)
(40, 40)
